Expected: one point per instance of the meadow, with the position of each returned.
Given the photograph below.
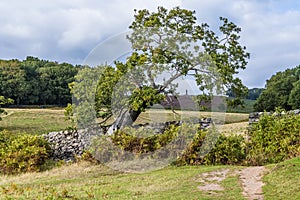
(40, 121)
(34, 120)
(86, 181)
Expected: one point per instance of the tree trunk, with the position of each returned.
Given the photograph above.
(125, 118)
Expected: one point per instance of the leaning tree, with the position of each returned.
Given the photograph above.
(168, 45)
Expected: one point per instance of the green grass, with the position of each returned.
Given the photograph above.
(283, 180)
(33, 121)
(86, 181)
(83, 181)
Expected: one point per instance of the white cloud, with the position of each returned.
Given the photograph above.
(64, 30)
(69, 30)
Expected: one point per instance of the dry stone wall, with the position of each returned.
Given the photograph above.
(254, 117)
(68, 144)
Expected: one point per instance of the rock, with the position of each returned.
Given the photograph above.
(75, 144)
(296, 112)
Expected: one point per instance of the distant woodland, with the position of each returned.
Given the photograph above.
(34, 81)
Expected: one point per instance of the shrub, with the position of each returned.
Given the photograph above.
(22, 153)
(103, 149)
(229, 150)
(210, 148)
(274, 138)
(143, 140)
(131, 143)
(87, 156)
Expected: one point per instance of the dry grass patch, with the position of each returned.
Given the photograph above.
(66, 171)
(85, 181)
(160, 115)
(239, 128)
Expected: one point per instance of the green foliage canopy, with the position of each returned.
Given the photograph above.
(171, 41)
(282, 90)
(35, 81)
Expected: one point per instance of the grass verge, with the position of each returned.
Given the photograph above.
(283, 180)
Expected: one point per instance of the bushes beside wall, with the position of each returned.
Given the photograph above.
(22, 153)
(143, 143)
(143, 140)
(210, 148)
(274, 138)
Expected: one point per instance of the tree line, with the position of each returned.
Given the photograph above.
(36, 82)
(281, 90)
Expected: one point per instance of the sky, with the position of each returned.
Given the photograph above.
(68, 31)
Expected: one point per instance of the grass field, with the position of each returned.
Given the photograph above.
(34, 121)
(160, 115)
(85, 181)
(283, 180)
(39, 121)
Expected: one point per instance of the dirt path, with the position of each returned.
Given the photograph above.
(250, 177)
(212, 180)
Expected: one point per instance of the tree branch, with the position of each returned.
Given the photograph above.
(167, 83)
